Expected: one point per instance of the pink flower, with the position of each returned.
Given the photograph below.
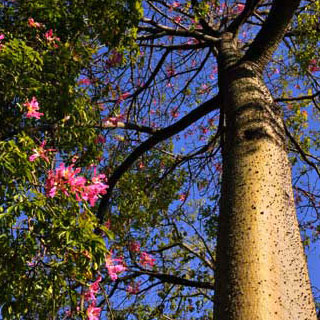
(134, 246)
(108, 224)
(238, 8)
(174, 113)
(218, 166)
(33, 107)
(85, 81)
(94, 288)
(133, 288)
(112, 121)
(177, 19)
(204, 89)
(214, 71)
(123, 96)
(66, 180)
(114, 269)
(33, 24)
(170, 71)
(193, 41)
(100, 139)
(50, 37)
(92, 192)
(175, 4)
(40, 152)
(313, 66)
(31, 263)
(146, 259)
(141, 165)
(1, 36)
(204, 130)
(93, 312)
(97, 187)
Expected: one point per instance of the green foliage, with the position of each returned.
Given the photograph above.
(50, 247)
(45, 243)
(142, 198)
(113, 22)
(308, 35)
(53, 248)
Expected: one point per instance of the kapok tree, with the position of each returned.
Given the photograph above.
(260, 267)
(202, 72)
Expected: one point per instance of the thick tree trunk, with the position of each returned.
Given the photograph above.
(261, 268)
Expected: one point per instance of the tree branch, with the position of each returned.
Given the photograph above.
(153, 75)
(308, 97)
(183, 46)
(302, 153)
(161, 135)
(250, 7)
(272, 32)
(168, 31)
(168, 278)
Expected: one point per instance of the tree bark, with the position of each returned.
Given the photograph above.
(261, 268)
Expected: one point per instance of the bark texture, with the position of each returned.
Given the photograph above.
(261, 268)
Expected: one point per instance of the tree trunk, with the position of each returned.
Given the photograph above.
(261, 268)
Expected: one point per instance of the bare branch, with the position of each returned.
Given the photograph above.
(168, 278)
(168, 31)
(308, 97)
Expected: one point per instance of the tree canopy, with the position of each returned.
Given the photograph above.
(110, 147)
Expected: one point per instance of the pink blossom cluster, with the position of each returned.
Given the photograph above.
(112, 121)
(133, 288)
(174, 113)
(84, 81)
(67, 180)
(93, 312)
(41, 152)
(90, 294)
(33, 108)
(204, 89)
(183, 197)
(48, 35)
(170, 71)
(174, 5)
(145, 258)
(100, 139)
(238, 8)
(314, 66)
(177, 19)
(51, 38)
(134, 246)
(33, 24)
(1, 38)
(114, 266)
